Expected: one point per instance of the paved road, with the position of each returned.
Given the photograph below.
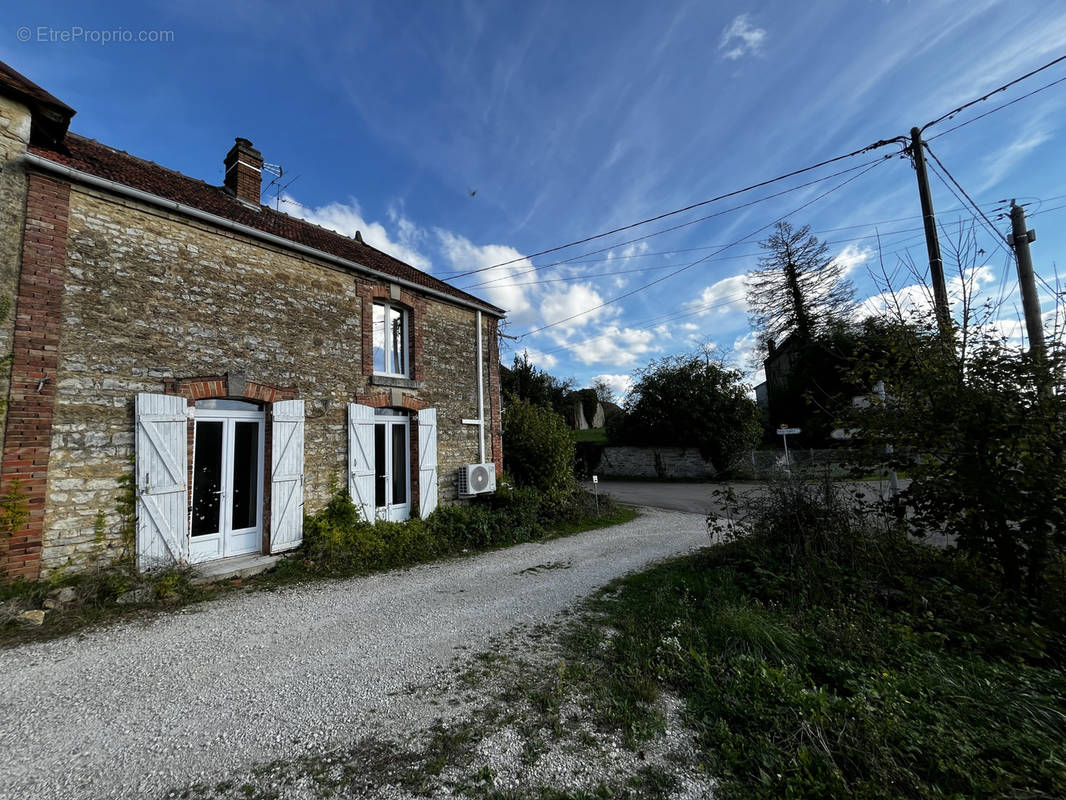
(700, 498)
(130, 710)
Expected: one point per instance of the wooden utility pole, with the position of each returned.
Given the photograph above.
(1019, 240)
(932, 243)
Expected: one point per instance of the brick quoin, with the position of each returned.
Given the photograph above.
(34, 359)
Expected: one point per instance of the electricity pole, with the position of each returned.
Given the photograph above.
(1019, 240)
(932, 243)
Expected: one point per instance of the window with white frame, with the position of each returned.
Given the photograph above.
(391, 353)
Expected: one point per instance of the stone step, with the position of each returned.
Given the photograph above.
(234, 567)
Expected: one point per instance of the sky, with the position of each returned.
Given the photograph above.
(459, 136)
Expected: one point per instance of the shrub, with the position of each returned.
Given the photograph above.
(338, 541)
(689, 401)
(537, 447)
(992, 437)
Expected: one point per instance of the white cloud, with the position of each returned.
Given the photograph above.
(852, 257)
(620, 384)
(722, 297)
(915, 301)
(499, 288)
(545, 361)
(744, 355)
(740, 38)
(614, 345)
(347, 218)
(560, 304)
(635, 249)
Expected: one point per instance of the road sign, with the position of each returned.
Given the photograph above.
(786, 431)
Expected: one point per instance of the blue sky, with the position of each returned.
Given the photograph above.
(458, 135)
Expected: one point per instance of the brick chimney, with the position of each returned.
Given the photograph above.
(244, 166)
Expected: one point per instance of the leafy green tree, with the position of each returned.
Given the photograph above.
(538, 450)
(524, 381)
(690, 401)
(984, 441)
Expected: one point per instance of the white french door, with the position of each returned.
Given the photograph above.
(227, 485)
(392, 467)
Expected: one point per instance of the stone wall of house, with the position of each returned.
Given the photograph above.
(662, 463)
(450, 376)
(151, 296)
(14, 137)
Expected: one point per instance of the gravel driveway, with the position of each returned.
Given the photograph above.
(132, 709)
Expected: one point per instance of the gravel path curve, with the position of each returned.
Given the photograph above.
(129, 710)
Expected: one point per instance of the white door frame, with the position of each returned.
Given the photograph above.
(394, 512)
(228, 542)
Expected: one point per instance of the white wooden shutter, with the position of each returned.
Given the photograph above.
(427, 461)
(161, 443)
(287, 475)
(361, 458)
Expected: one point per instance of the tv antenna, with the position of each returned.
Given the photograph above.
(277, 183)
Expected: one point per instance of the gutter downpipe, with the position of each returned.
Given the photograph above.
(171, 205)
(480, 395)
(480, 421)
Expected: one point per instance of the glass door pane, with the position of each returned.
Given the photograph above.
(207, 478)
(380, 467)
(399, 464)
(244, 506)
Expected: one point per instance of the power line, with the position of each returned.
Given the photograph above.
(999, 238)
(984, 97)
(734, 193)
(875, 145)
(671, 315)
(1001, 292)
(662, 230)
(701, 260)
(997, 108)
(496, 282)
(539, 267)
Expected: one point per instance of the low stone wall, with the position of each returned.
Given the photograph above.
(663, 463)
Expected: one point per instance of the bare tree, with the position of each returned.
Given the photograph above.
(798, 288)
(603, 390)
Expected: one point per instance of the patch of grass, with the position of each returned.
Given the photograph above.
(618, 515)
(96, 597)
(820, 658)
(594, 435)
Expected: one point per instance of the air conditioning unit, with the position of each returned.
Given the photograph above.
(477, 479)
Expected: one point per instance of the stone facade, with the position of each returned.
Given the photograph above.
(151, 298)
(119, 289)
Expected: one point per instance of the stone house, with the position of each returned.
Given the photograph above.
(221, 366)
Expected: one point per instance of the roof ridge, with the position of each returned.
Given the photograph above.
(170, 184)
(143, 160)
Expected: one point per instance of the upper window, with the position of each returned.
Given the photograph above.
(390, 340)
